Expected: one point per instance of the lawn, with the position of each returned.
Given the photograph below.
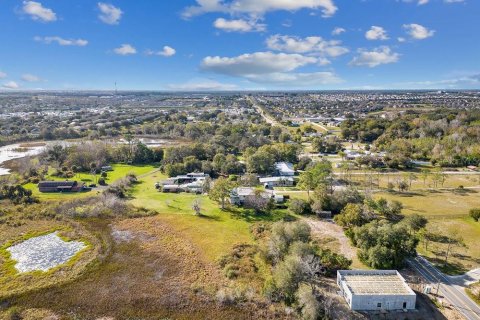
(119, 171)
(436, 204)
(215, 231)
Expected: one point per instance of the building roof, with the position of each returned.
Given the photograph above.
(57, 184)
(284, 166)
(275, 179)
(375, 282)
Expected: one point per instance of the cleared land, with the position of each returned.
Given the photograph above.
(447, 212)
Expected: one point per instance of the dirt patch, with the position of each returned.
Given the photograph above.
(328, 229)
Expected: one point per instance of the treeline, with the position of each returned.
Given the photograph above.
(449, 138)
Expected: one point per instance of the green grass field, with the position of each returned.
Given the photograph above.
(215, 232)
(447, 212)
(119, 171)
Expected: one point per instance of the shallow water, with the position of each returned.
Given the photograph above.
(43, 253)
(11, 152)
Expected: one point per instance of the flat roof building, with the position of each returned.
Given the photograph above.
(369, 290)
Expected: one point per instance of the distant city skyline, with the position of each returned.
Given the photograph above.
(235, 45)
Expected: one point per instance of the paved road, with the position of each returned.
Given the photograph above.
(452, 292)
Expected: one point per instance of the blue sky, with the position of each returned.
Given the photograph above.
(240, 44)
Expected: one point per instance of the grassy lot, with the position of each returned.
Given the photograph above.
(437, 204)
(215, 232)
(119, 171)
(24, 225)
(447, 213)
(382, 180)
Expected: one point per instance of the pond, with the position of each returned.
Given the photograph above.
(43, 253)
(17, 151)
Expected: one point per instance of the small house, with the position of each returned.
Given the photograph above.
(61, 186)
(271, 182)
(284, 169)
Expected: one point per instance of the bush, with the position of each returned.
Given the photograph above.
(308, 303)
(475, 214)
(299, 206)
(102, 182)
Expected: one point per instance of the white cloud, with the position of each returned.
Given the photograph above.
(259, 7)
(376, 33)
(453, 1)
(256, 63)
(337, 31)
(109, 13)
(297, 80)
(376, 57)
(417, 31)
(125, 50)
(38, 12)
(326, 48)
(2, 75)
(270, 68)
(11, 85)
(166, 52)
(238, 25)
(203, 85)
(62, 41)
(419, 2)
(401, 39)
(30, 78)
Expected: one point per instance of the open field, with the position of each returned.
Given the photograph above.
(381, 180)
(152, 272)
(436, 204)
(12, 282)
(215, 232)
(447, 212)
(119, 171)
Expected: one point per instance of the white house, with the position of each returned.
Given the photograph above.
(239, 195)
(270, 182)
(284, 169)
(369, 290)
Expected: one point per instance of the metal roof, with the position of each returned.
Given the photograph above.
(375, 282)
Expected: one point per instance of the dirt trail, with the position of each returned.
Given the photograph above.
(328, 228)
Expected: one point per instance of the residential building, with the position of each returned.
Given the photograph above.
(61, 186)
(271, 182)
(284, 169)
(239, 195)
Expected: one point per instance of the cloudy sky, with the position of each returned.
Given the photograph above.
(239, 44)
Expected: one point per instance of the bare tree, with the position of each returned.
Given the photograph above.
(197, 206)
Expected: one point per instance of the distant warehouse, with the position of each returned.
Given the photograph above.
(369, 290)
(61, 186)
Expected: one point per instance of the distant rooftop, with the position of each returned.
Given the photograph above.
(375, 282)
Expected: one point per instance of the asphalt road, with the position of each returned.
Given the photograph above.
(451, 292)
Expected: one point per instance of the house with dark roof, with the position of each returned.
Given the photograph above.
(61, 186)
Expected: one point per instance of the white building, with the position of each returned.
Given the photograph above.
(270, 182)
(369, 290)
(284, 169)
(239, 195)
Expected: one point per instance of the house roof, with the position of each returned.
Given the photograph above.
(284, 166)
(57, 184)
(275, 179)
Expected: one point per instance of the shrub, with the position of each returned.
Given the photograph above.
(102, 182)
(475, 214)
(299, 206)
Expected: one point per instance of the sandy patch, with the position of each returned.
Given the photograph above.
(43, 253)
